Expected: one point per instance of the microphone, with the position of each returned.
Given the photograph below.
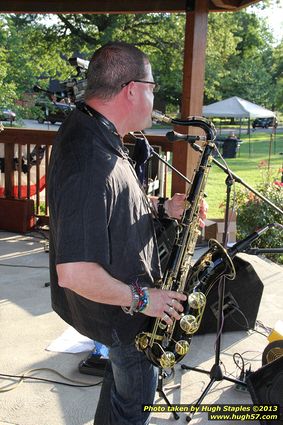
(172, 136)
(244, 243)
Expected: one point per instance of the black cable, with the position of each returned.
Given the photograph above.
(266, 328)
(25, 377)
(49, 380)
(242, 368)
(40, 232)
(30, 234)
(258, 332)
(245, 318)
(22, 265)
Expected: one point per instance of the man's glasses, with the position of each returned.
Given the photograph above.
(155, 88)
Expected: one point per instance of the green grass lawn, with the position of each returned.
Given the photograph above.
(246, 166)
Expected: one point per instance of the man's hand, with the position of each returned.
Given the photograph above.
(174, 207)
(164, 304)
(202, 212)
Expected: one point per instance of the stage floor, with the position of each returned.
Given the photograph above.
(28, 326)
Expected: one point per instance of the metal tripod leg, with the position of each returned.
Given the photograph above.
(190, 415)
(162, 374)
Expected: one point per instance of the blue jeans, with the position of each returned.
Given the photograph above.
(130, 381)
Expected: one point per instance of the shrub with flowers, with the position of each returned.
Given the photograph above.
(253, 213)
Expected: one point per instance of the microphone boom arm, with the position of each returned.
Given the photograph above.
(238, 179)
(241, 181)
(210, 131)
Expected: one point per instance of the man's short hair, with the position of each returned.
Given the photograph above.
(112, 65)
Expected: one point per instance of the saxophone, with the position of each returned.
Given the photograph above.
(165, 345)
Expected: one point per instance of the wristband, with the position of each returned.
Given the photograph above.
(135, 300)
(161, 208)
(143, 300)
(140, 300)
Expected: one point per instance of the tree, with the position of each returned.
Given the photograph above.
(241, 59)
(277, 73)
(8, 89)
(46, 48)
(221, 46)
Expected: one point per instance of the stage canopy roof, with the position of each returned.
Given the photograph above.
(237, 108)
(117, 6)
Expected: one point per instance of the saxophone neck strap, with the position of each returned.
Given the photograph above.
(98, 116)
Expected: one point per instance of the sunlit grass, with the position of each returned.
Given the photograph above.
(246, 166)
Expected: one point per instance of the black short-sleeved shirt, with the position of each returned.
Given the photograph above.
(98, 213)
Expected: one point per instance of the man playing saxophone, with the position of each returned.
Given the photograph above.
(103, 253)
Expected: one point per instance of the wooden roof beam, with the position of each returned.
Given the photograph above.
(116, 6)
(90, 6)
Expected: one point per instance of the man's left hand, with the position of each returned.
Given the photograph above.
(175, 206)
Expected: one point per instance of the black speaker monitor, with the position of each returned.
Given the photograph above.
(241, 301)
(266, 387)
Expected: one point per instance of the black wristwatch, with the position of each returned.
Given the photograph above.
(160, 207)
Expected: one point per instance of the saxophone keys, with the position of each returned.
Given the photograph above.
(167, 360)
(187, 204)
(141, 342)
(162, 325)
(182, 347)
(197, 300)
(189, 324)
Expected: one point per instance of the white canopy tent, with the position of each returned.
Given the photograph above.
(237, 108)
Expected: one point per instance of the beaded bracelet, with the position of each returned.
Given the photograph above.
(143, 299)
(135, 300)
(140, 299)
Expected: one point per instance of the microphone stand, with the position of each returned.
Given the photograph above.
(216, 373)
(256, 251)
(237, 179)
(170, 166)
(162, 374)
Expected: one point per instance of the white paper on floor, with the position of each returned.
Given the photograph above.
(71, 341)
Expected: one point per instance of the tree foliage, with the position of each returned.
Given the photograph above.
(241, 59)
(253, 212)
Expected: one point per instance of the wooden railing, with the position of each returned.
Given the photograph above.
(24, 156)
(24, 167)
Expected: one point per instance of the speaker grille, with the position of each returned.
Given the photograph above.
(266, 386)
(238, 310)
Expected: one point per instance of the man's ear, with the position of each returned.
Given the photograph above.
(131, 91)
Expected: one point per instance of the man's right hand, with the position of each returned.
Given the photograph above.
(164, 304)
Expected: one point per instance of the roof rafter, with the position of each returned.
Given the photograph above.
(116, 6)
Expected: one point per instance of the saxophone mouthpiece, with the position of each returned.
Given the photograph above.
(160, 117)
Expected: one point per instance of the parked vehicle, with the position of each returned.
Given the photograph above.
(54, 112)
(7, 115)
(265, 122)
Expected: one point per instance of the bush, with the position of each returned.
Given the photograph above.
(254, 213)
